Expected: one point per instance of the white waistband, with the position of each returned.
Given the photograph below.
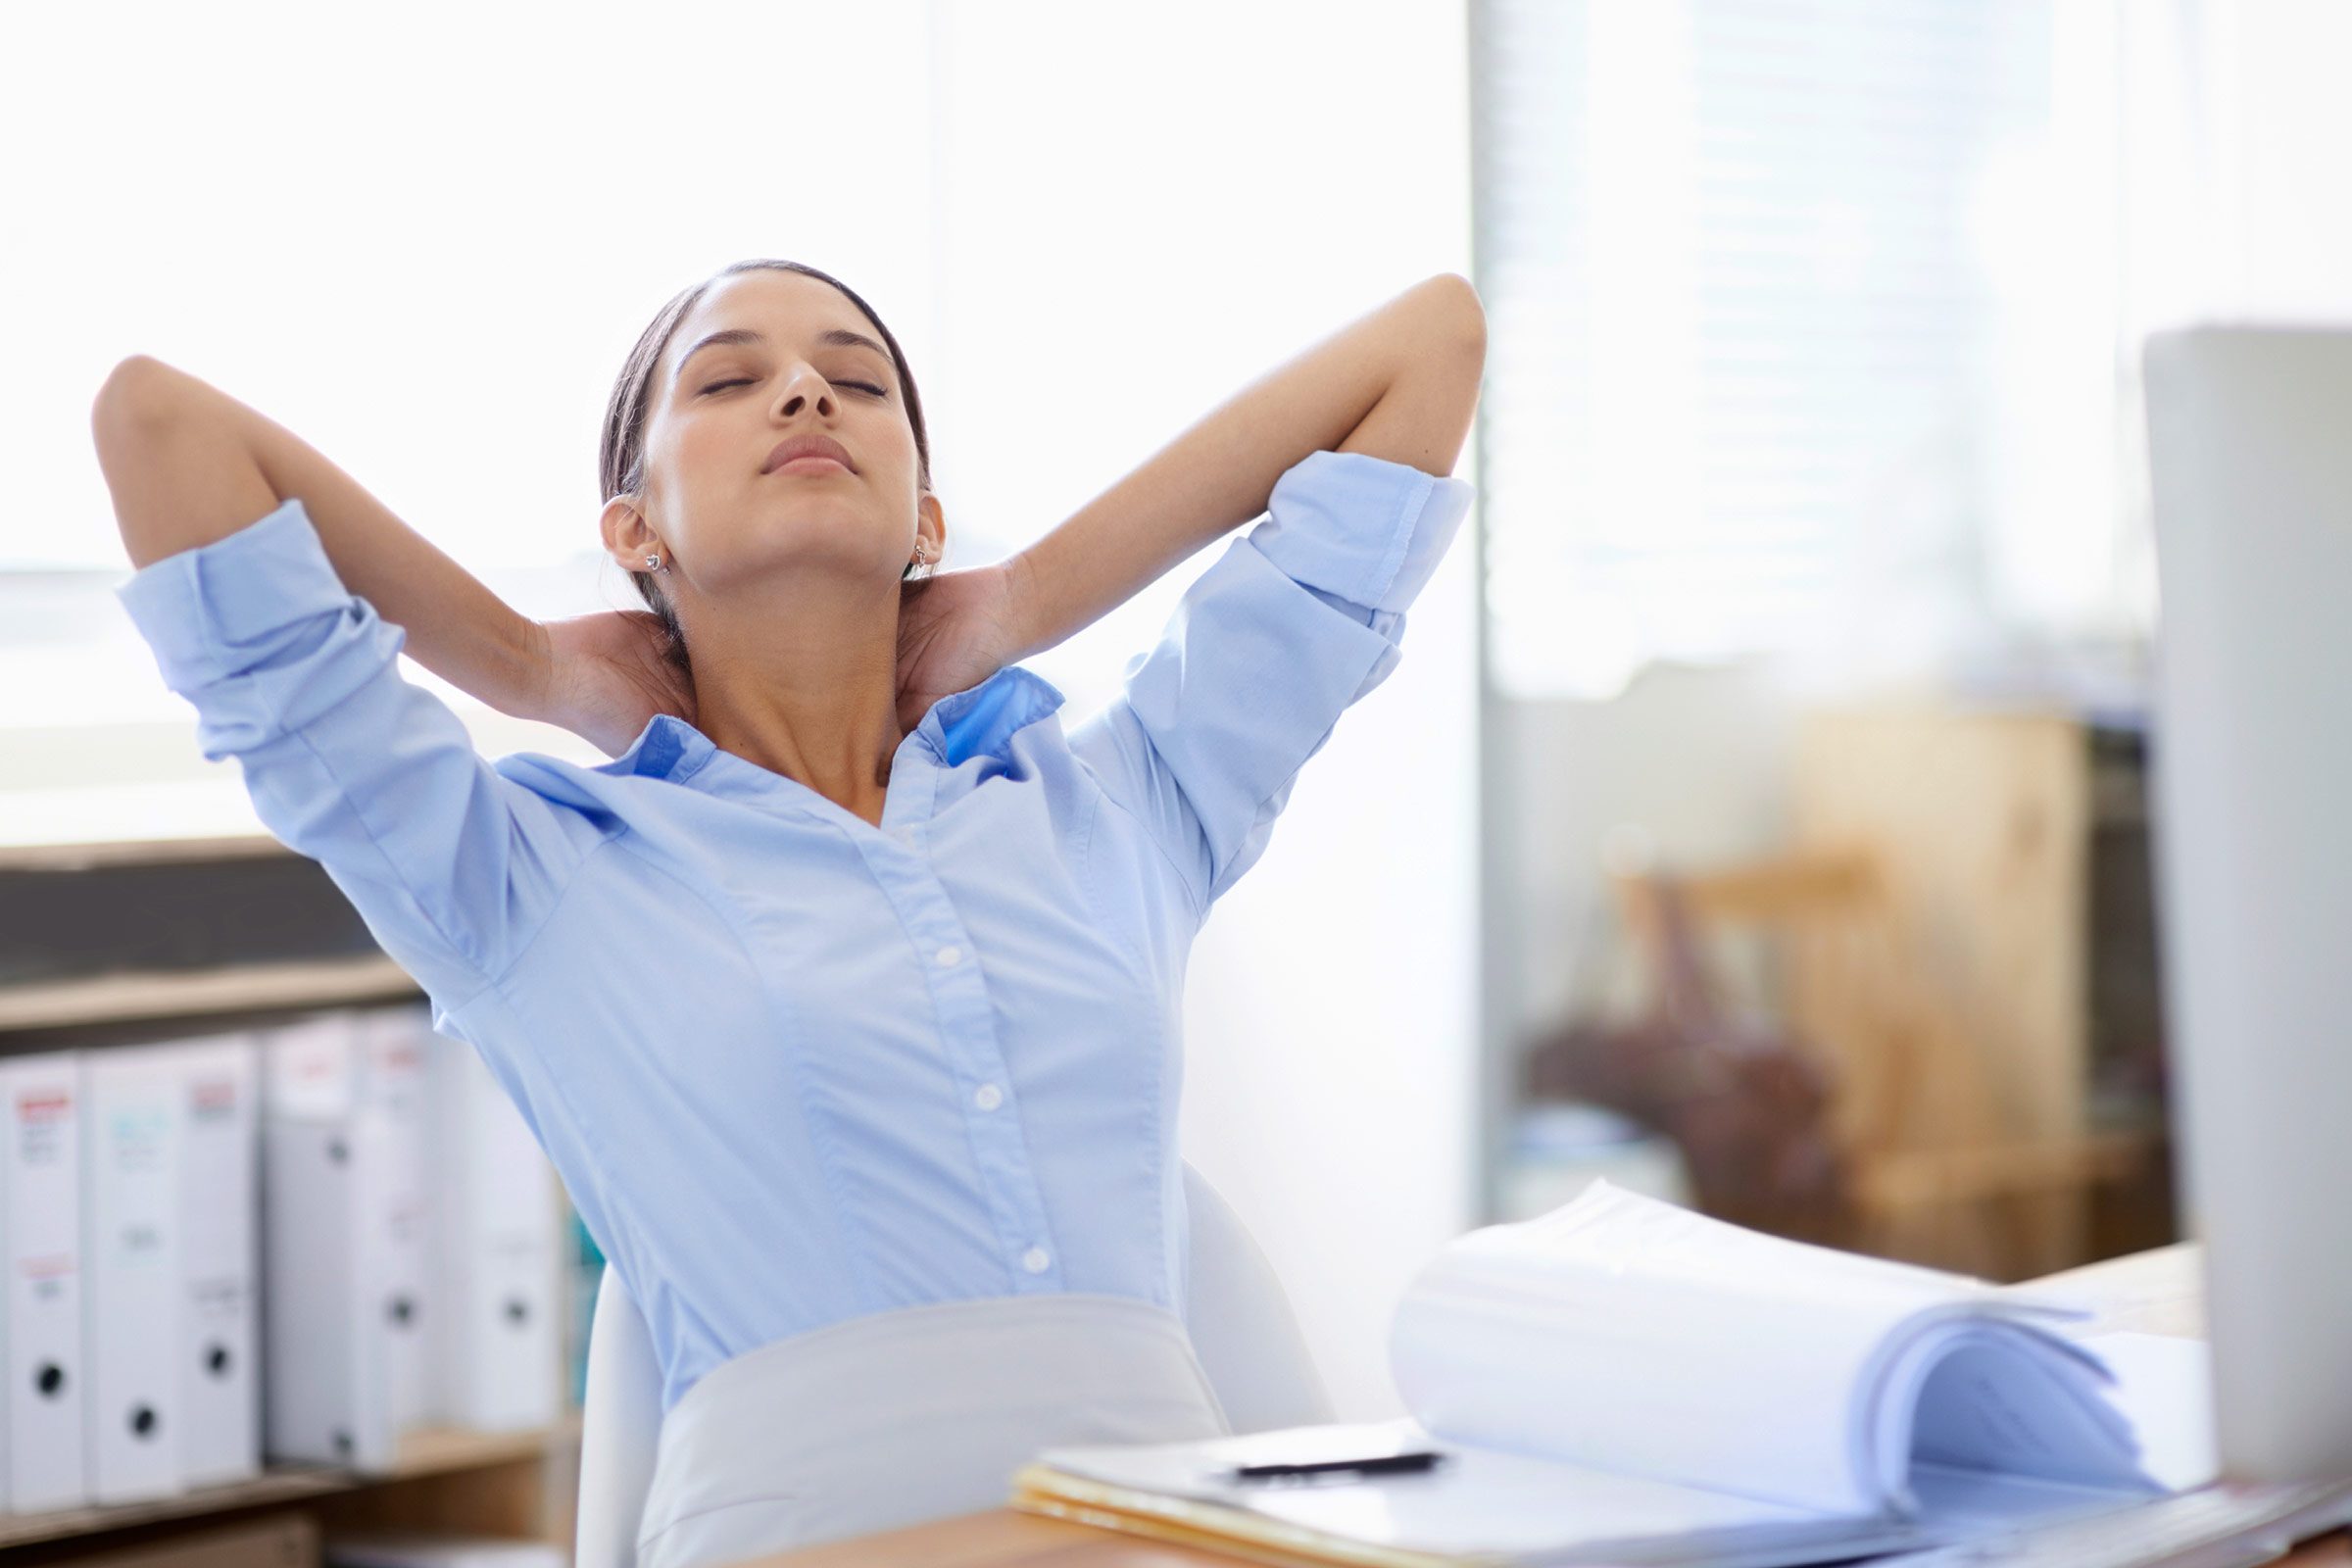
(912, 1414)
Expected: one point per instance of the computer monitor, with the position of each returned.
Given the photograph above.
(2250, 441)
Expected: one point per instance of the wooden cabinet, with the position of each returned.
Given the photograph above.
(1993, 1017)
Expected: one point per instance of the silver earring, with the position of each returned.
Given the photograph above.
(653, 562)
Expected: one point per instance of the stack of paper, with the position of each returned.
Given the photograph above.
(1624, 1381)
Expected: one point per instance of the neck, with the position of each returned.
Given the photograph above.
(804, 685)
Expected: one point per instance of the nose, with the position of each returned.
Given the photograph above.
(803, 387)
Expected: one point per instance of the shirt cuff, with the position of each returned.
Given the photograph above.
(1366, 529)
(216, 609)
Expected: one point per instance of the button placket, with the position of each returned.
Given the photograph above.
(997, 1136)
(967, 1032)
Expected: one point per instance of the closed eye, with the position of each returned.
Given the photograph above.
(868, 387)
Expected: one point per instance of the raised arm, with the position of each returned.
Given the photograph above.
(188, 465)
(1348, 451)
(1399, 383)
(242, 537)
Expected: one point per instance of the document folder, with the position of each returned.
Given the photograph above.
(40, 1184)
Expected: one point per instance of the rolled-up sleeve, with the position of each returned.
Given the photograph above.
(452, 867)
(1297, 620)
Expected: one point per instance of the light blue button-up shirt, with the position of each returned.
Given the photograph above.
(795, 1068)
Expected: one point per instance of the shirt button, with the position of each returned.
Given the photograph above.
(987, 1097)
(1035, 1260)
(949, 957)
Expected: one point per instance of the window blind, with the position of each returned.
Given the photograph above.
(1752, 345)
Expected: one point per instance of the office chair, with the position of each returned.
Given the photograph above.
(1240, 1320)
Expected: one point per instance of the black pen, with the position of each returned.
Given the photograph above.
(1383, 1464)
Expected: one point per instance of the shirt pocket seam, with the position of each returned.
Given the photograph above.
(1129, 946)
(1193, 896)
(514, 966)
(824, 1136)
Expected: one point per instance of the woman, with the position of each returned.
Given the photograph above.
(846, 997)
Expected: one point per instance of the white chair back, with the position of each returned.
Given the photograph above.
(1240, 1320)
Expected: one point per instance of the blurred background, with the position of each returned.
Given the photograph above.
(1760, 816)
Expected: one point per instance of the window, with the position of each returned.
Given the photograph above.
(1802, 331)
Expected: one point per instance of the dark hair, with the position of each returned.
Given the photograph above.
(620, 457)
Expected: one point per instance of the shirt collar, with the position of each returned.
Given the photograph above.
(983, 719)
(957, 728)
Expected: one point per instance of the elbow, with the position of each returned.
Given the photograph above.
(137, 397)
(1461, 361)
(1465, 315)
(145, 421)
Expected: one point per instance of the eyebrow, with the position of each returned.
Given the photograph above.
(831, 337)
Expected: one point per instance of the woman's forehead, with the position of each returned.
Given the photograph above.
(789, 307)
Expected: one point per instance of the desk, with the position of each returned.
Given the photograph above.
(2153, 1293)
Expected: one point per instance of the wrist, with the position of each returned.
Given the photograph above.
(1026, 624)
(525, 686)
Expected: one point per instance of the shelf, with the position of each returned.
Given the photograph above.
(217, 894)
(89, 857)
(238, 988)
(426, 1451)
(433, 1450)
(280, 1484)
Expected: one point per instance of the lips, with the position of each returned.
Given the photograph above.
(807, 446)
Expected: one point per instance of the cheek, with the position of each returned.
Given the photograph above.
(700, 465)
(699, 450)
(892, 442)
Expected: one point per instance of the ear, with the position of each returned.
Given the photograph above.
(931, 522)
(628, 537)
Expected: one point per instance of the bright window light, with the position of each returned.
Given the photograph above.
(426, 249)
(1804, 332)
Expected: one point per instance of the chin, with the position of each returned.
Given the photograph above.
(849, 546)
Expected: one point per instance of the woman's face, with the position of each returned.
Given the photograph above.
(764, 358)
